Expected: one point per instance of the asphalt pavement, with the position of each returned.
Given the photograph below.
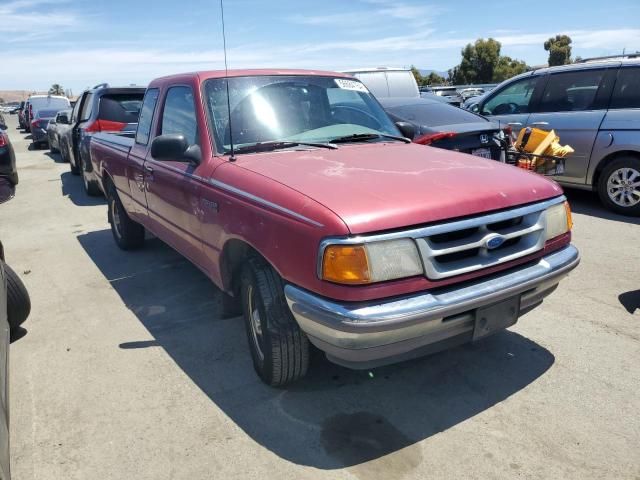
(127, 370)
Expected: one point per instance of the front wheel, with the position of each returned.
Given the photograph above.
(280, 350)
(128, 234)
(619, 186)
(18, 301)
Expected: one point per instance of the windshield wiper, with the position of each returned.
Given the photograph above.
(363, 137)
(277, 144)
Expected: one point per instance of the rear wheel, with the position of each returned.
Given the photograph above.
(619, 186)
(18, 301)
(280, 350)
(73, 166)
(128, 234)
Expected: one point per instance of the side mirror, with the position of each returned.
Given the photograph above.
(175, 147)
(63, 119)
(407, 129)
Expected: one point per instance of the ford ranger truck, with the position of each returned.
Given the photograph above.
(300, 199)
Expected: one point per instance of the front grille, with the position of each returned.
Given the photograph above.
(469, 245)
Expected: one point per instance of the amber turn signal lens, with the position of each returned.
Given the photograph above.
(567, 207)
(346, 264)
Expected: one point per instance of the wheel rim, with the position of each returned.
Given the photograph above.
(255, 325)
(623, 187)
(115, 218)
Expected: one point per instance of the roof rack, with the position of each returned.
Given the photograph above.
(609, 57)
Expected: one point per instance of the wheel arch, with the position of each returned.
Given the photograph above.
(233, 256)
(607, 160)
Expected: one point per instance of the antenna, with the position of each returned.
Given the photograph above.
(232, 158)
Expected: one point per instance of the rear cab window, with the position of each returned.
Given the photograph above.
(146, 116)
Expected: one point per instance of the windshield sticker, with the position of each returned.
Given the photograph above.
(351, 85)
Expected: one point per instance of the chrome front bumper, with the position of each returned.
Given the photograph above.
(368, 334)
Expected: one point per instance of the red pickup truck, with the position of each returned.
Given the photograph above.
(302, 201)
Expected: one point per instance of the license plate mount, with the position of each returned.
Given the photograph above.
(496, 317)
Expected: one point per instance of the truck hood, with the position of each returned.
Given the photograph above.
(382, 186)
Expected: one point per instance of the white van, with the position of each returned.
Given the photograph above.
(43, 102)
(386, 82)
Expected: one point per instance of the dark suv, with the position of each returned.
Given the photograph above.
(99, 109)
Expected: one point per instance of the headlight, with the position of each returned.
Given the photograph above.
(558, 220)
(371, 262)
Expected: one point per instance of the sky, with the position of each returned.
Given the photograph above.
(78, 43)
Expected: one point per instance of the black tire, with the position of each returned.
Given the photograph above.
(18, 301)
(63, 153)
(54, 150)
(280, 351)
(129, 235)
(609, 183)
(90, 185)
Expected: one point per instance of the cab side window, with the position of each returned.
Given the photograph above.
(146, 116)
(571, 91)
(626, 93)
(515, 98)
(179, 114)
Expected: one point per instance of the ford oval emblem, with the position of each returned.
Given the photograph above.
(494, 242)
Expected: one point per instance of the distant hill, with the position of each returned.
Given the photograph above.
(16, 95)
(424, 73)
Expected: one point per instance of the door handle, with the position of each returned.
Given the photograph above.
(515, 124)
(148, 169)
(540, 123)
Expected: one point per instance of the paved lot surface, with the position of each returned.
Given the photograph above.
(127, 370)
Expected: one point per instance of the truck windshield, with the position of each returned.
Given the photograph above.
(293, 109)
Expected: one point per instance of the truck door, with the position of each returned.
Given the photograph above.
(173, 186)
(512, 104)
(138, 154)
(573, 104)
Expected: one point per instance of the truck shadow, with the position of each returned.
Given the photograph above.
(588, 203)
(72, 187)
(335, 417)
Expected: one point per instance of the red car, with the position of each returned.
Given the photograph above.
(300, 199)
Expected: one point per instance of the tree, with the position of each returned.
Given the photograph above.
(432, 79)
(559, 49)
(482, 63)
(56, 89)
(508, 67)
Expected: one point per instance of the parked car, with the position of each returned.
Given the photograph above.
(39, 126)
(450, 94)
(595, 108)
(43, 102)
(16, 108)
(299, 198)
(388, 82)
(15, 304)
(100, 109)
(471, 92)
(441, 125)
(22, 116)
(60, 121)
(3, 123)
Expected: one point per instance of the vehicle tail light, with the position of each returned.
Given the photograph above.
(30, 115)
(36, 124)
(430, 138)
(105, 126)
(3, 140)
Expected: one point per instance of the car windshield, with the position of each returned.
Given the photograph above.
(293, 109)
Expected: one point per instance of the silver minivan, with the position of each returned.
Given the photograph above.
(594, 106)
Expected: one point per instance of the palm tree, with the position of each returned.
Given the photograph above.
(56, 89)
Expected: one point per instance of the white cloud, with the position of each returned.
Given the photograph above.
(33, 20)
